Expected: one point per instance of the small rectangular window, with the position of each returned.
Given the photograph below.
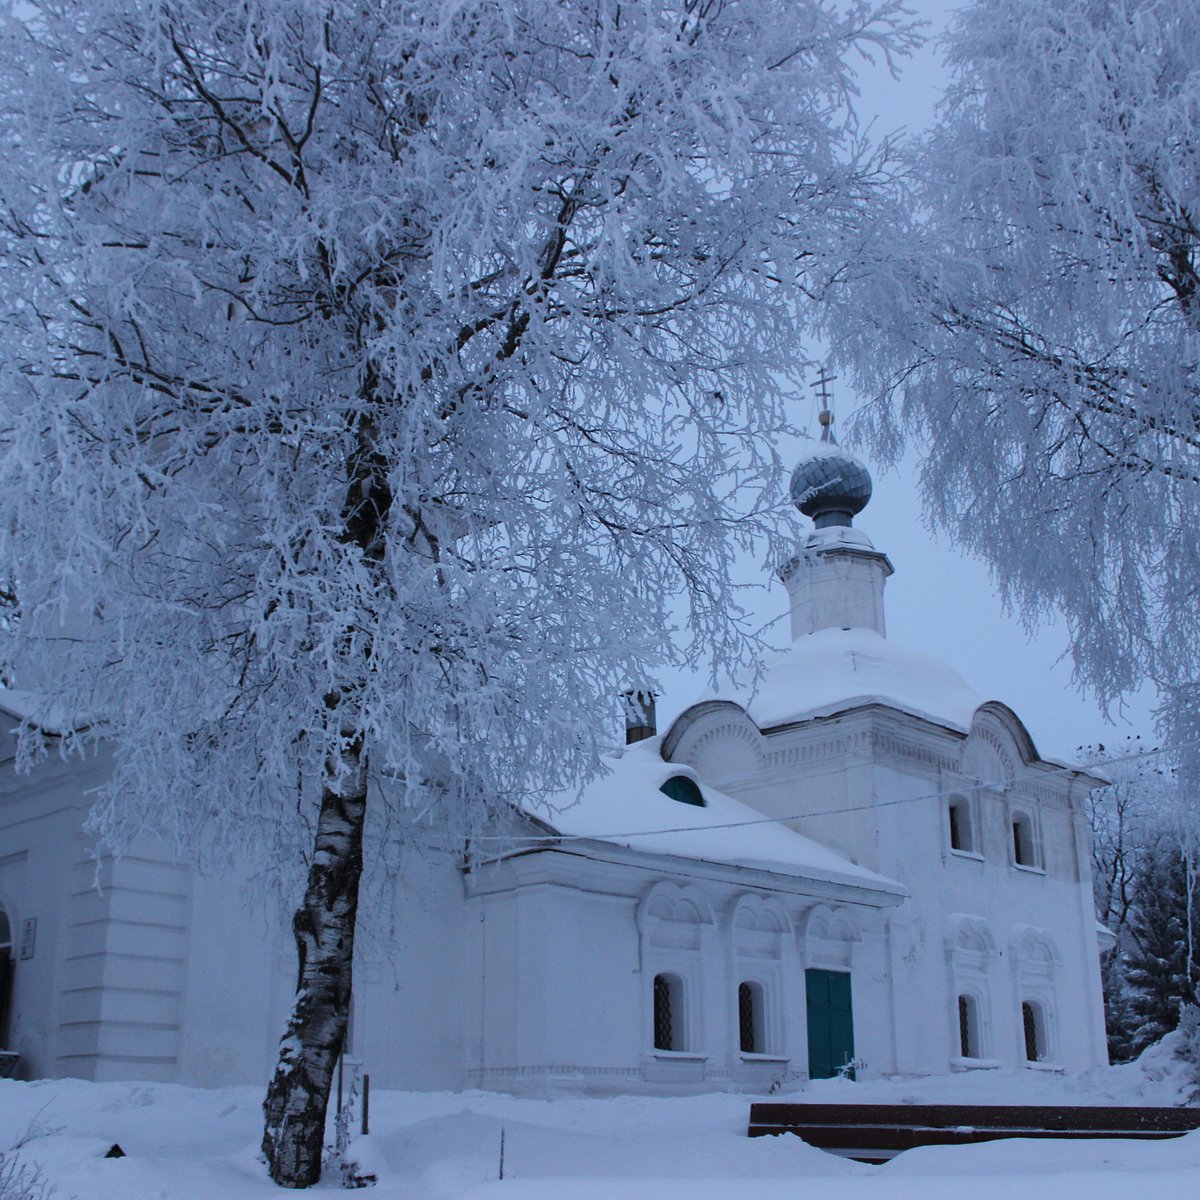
(1024, 846)
(962, 832)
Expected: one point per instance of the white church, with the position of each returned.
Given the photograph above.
(857, 867)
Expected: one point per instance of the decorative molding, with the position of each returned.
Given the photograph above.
(968, 935)
(754, 912)
(669, 902)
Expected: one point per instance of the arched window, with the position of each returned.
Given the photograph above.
(1024, 843)
(962, 827)
(668, 1013)
(683, 789)
(1033, 1021)
(751, 1023)
(970, 1033)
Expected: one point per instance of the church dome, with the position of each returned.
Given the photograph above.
(830, 485)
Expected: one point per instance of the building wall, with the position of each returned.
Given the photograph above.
(875, 784)
(573, 942)
(144, 968)
(535, 973)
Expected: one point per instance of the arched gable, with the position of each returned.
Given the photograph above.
(998, 745)
(717, 739)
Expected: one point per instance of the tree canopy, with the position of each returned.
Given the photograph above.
(1034, 323)
(377, 376)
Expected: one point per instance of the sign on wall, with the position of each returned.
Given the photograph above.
(28, 936)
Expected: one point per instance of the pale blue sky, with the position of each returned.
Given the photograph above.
(937, 600)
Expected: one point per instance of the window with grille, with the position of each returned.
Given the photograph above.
(968, 1026)
(1035, 1031)
(750, 1018)
(668, 1014)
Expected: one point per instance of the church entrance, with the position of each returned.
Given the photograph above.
(830, 1023)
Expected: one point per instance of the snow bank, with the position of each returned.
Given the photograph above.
(192, 1144)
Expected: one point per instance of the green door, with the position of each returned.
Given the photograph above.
(830, 1023)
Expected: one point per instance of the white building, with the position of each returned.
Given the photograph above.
(859, 865)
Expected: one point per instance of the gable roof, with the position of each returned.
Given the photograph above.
(627, 808)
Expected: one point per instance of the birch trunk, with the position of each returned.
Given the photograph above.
(323, 926)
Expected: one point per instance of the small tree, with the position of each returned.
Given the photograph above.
(1133, 821)
(376, 377)
(1037, 321)
(1163, 961)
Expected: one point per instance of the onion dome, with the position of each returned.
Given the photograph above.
(830, 485)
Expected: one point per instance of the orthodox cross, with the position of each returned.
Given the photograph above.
(825, 416)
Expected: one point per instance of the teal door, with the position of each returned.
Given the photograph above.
(830, 1023)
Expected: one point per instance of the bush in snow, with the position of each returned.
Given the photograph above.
(20, 1181)
(1189, 1047)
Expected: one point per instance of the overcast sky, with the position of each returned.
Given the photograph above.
(939, 601)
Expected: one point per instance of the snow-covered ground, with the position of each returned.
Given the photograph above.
(191, 1144)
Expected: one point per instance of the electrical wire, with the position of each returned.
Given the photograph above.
(973, 783)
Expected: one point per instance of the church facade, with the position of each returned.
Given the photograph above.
(854, 866)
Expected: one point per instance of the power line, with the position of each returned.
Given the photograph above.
(974, 783)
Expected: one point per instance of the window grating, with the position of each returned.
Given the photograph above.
(746, 1028)
(1030, 1022)
(664, 1034)
(965, 1038)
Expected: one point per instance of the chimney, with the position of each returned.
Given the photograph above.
(639, 716)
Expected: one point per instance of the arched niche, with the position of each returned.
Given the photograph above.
(1036, 962)
(971, 951)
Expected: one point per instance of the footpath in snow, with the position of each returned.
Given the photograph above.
(191, 1144)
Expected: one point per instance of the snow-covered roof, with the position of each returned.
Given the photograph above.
(832, 536)
(833, 670)
(626, 808)
(48, 715)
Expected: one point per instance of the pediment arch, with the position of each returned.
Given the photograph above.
(1034, 949)
(672, 902)
(717, 739)
(969, 935)
(997, 747)
(828, 936)
(759, 914)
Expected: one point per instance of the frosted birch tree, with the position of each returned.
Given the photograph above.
(1036, 326)
(376, 376)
